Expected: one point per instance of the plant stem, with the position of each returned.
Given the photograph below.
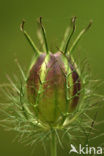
(53, 143)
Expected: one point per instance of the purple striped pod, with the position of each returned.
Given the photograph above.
(53, 82)
(52, 86)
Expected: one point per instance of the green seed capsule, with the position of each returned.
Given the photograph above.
(52, 86)
(53, 82)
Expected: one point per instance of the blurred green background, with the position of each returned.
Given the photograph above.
(57, 14)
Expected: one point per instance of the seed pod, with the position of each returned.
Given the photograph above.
(53, 83)
(52, 86)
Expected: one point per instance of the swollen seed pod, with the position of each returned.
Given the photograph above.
(53, 82)
(52, 86)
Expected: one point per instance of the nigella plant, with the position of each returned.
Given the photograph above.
(54, 98)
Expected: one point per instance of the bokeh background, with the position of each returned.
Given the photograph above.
(57, 14)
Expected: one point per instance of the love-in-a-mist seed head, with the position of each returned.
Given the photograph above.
(53, 99)
(54, 80)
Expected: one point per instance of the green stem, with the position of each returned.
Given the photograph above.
(44, 36)
(67, 44)
(29, 38)
(53, 144)
(79, 37)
